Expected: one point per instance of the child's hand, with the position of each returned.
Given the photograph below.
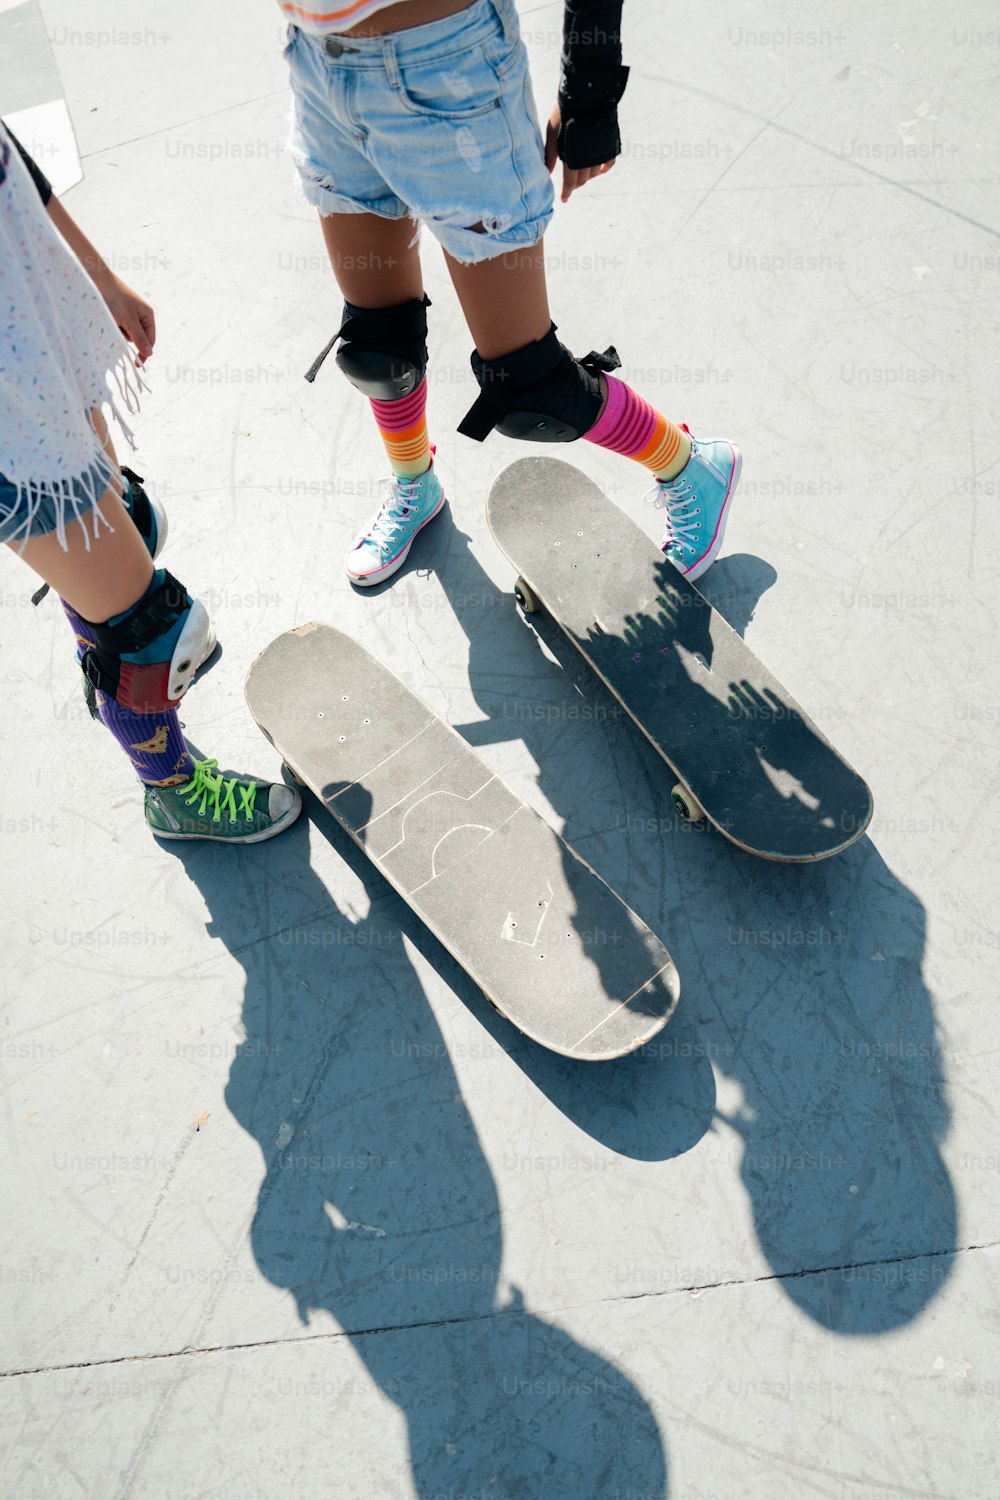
(134, 317)
(573, 177)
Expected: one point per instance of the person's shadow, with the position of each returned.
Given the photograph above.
(802, 983)
(377, 1206)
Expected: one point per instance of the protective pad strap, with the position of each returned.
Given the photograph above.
(538, 392)
(161, 606)
(387, 329)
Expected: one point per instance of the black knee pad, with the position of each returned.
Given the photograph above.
(384, 349)
(169, 621)
(540, 392)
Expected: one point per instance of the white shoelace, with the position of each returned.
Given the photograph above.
(677, 497)
(393, 513)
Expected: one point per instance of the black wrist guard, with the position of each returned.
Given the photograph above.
(593, 82)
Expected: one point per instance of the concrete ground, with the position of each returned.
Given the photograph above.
(288, 1211)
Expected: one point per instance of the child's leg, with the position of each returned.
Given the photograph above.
(148, 518)
(102, 580)
(103, 589)
(141, 638)
(377, 269)
(533, 388)
(372, 258)
(383, 352)
(506, 307)
(505, 300)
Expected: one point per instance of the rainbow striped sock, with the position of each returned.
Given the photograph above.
(629, 425)
(403, 425)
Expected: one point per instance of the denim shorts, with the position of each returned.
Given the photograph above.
(38, 509)
(436, 123)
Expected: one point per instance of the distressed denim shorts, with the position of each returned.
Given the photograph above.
(437, 123)
(35, 510)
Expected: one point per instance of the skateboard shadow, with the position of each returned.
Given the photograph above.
(376, 1205)
(801, 984)
(761, 760)
(680, 1098)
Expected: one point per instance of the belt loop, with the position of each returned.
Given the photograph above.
(389, 59)
(507, 16)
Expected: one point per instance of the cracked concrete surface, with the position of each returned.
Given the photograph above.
(290, 1211)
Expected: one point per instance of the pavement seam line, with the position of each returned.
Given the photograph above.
(361, 1333)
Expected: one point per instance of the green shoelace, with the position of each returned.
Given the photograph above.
(208, 785)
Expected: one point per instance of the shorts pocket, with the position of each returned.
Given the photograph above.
(452, 88)
(502, 55)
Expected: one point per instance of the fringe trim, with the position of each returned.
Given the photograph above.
(79, 498)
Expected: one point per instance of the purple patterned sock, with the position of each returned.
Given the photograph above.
(154, 743)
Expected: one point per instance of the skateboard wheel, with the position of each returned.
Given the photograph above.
(687, 804)
(525, 597)
(293, 774)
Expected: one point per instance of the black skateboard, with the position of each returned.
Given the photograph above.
(745, 755)
(550, 944)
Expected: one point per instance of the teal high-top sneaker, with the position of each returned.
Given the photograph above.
(382, 548)
(697, 502)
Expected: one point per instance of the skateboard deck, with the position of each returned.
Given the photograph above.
(746, 756)
(551, 945)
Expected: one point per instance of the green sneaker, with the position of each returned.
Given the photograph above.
(210, 806)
